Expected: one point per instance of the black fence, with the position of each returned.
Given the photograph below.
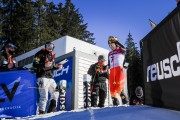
(161, 63)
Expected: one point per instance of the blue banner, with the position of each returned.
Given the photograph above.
(66, 74)
(16, 98)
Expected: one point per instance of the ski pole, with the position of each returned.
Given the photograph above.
(37, 88)
(32, 87)
(92, 87)
(114, 71)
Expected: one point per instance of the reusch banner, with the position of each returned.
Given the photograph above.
(65, 74)
(16, 98)
(161, 63)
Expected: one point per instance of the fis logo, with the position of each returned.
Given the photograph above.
(167, 68)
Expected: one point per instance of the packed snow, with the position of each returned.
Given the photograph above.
(141, 112)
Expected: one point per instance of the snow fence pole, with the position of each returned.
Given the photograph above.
(62, 95)
(86, 90)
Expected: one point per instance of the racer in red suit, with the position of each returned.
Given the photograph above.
(117, 75)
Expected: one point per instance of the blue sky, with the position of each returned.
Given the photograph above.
(118, 17)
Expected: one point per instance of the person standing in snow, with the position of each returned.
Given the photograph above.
(117, 76)
(7, 60)
(99, 73)
(44, 63)
(138, 98)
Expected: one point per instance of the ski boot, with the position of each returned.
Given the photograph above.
(115, 101)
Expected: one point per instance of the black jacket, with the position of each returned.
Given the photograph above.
(4, 62)
(39, 61)
(99, 76)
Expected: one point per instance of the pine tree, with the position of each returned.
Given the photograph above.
(1, 19)
(41, 29)
(8, 10)
(23, 31)
(134, 72)
(73, 23)
(17, 23)
(53, 21)
(31, 23)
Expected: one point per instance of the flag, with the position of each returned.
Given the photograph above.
(153, 25)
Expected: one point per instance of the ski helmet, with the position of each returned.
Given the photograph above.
(112, 39)
(139, 92)
(11, 48)
(49, 46)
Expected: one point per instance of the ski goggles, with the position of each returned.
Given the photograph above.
(50, 46)
(139, 95)
(112, 45)
(10, 45)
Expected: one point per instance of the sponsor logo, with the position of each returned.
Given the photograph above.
(9, 94)
(167, 68)
(10, 108)
(64, 70)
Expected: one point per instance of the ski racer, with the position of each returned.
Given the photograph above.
(117, 75)
(44, 63)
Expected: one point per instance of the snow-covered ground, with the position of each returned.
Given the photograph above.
(112, 113)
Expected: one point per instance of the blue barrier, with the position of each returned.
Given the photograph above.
(66, 74)
(16, 98)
